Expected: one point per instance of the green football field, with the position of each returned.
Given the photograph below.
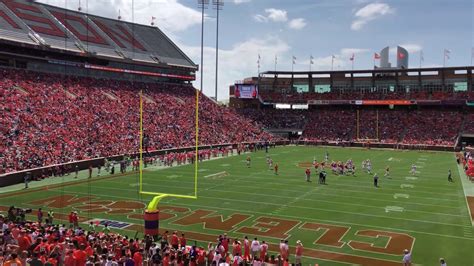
(346, 222)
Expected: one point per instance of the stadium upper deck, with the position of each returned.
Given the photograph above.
(453, 83)
(39, 26)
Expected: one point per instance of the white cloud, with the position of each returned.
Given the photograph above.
(370, 12)
(350, 51)
(297, 23)
(272, 14)
(231, 66)
(237, 2)
(171, 16)
(260, 18)
(277, 15)
(411, 47)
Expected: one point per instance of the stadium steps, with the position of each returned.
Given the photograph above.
(179, 100)
(110, 96)
(21, 35)
(461, 127)
(16, 36)
(21, 90)
(148, 99)
(70, 94)
(402, 136)
(106, 51)
(72, 40)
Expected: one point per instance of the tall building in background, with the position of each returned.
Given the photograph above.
(402, 57)
(384, 63)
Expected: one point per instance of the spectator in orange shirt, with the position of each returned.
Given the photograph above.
(175, 241)
(80, 256)
(138, 257)
(24, 241)
(182, 241)
(13, 260)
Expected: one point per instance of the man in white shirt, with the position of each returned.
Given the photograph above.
(406, 258)
(255, 248)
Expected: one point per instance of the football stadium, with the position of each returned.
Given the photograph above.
(117, 149)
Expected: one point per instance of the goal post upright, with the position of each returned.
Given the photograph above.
(196, 143)
(140, 165)
(151, 213)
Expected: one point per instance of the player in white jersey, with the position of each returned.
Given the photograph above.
(413, 169)
(369, 166)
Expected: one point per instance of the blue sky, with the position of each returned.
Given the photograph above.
(302, 28)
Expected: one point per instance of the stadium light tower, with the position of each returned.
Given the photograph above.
(218, 4)
(203, 5)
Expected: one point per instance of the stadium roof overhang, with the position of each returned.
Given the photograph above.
(367, 71)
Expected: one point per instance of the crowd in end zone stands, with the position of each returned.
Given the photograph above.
(48, 119)
(426, 126)
(274, 118)
(45, 242)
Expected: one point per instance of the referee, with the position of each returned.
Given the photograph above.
(376, 180)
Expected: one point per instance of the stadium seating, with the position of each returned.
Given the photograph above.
(468, 126)
(275, 119)
(293, 97)
(330, 125)
(432, 127)
(426, 126)
(49, 119)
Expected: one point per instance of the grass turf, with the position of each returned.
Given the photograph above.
(427, 208)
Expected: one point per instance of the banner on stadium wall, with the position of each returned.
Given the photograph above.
(453, 102)
(471, 104)
(328, 102)
(386, 102)
(428, 102)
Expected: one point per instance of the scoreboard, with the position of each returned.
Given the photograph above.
(246, 91)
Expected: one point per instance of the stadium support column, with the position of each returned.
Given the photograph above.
(469, 80)
(292, 80)
(397, 80)
(357, 126)
(310, 81)
(202, 4)
(218, 6)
